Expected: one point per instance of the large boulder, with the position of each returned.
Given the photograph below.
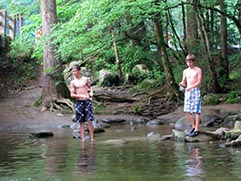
(183, 124)
(108, 79)
(237, 125)
(141, 68)
(131, 79)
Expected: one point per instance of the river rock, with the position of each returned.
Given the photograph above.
(221, 131)
(235, 143)
(178, 136)
(230, 119)
(99, 130)
(41, 134)
(155, 122)
(114, 141)
(64, 126)
(237, 125)
(232, 134)
(110, 121)
(181, 136)
(153, 135)
(140, 120)
(182, 124)
(100, 124)
(211, 120)
(108, 78)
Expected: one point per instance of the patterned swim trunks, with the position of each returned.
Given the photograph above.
(192, 101)
(83, 111)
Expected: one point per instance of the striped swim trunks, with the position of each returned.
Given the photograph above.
(192, 101)
(83, 111)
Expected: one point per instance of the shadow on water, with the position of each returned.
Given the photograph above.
(64, 158)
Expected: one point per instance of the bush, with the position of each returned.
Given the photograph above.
(17, 64)
(234, 97)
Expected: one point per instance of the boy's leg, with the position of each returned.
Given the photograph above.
(91, 130)
(197, 118)
(82, 131)
(190, 118)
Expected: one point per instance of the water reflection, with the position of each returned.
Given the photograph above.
(85, 163)
(64, 158)
(194, 168)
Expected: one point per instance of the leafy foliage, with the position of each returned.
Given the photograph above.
(234, 97)
(83, 33)
(18, 62)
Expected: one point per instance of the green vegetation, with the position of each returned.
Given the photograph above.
(234, 97)
(83, 32)
(17, 63)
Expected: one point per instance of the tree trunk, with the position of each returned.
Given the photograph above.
(204, 37)
(224, 74)
(239, 11)
(172, 87)
(52, 70)
(192, 29)
(118, 63)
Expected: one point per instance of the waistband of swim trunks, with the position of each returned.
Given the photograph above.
(87, 100)
(195, 88)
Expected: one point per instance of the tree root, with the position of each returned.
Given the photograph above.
(61, 105)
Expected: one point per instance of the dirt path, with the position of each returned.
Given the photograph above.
(17, 112)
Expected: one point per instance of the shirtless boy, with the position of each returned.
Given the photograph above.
(81, 90)
(192, 78)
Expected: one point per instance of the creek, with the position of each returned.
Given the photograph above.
(62, 158)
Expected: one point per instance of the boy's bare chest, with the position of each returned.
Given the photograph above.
(191, 74)
(80, 83)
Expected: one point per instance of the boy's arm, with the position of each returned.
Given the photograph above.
(91, 92)
(184, 80)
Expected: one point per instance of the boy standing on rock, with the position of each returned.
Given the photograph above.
(81, 90)
(192, 78)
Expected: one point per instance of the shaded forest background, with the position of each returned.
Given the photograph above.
(121, 36)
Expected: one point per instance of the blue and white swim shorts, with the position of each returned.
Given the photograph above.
(192, 101)
(83, 111)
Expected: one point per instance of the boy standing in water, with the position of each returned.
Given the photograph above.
(81, 90)
(192, 78)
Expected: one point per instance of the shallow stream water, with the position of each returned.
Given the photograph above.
(62, 158)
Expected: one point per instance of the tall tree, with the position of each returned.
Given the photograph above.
(117, 59)
(224, 44)
(206, 44)
(239, 11)
(52, 71)
(191, 27)
(172, 91)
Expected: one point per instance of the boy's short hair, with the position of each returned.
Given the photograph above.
(190, 57)
(76, 66)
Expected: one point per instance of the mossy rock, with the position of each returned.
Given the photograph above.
(232, 135)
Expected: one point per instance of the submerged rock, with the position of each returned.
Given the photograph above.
(41, 134)
(114, 141)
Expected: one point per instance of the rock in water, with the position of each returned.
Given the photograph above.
(41, 134)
